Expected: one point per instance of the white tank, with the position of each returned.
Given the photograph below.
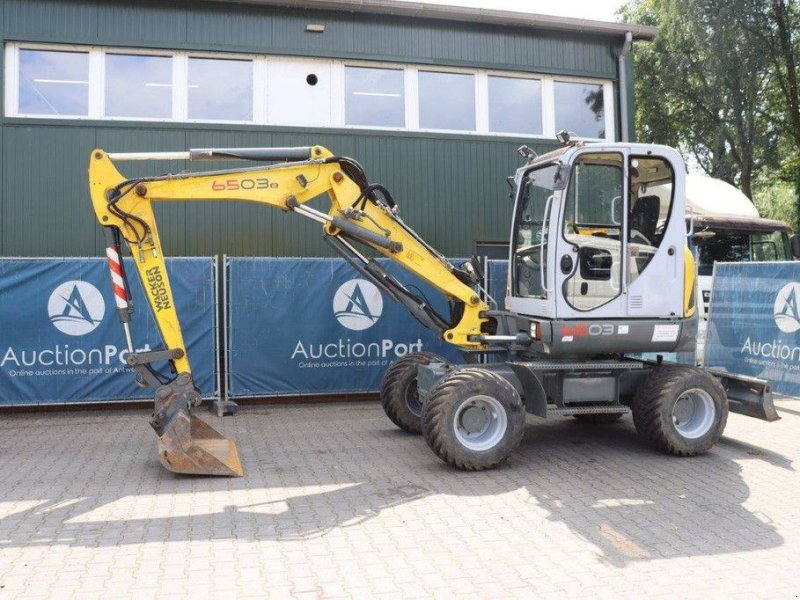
(706, 196)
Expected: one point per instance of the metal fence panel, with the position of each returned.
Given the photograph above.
(312, 326)
(754, 322)
(61, 342)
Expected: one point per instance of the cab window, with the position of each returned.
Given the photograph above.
(592, 224)
(651, 192)
(530, 232)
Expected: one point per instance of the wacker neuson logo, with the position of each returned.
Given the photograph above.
(76, 308)
(787, 319)
(357, 304)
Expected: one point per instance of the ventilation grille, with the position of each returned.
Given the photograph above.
(637, 302)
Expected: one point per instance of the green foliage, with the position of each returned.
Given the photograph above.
(700, 85)
(776, 199)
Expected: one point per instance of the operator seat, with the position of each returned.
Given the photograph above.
(644, 220)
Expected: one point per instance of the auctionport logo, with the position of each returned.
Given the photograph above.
(76, 307)
(786, 313)
(357, 304)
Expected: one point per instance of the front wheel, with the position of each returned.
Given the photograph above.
(399, 396)
(680, 410)
(473, 419)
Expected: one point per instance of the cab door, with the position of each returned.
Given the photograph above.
(530, 289)
(590, 237)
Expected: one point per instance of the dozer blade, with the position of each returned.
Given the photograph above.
(192, 446)
(187, 444)
(748, 396)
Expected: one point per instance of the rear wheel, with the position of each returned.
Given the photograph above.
(680, 410)
(473, 419)
(399, 396)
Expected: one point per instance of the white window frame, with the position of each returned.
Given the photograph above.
(529, 76)
(608, 104)
(261, 86)
(340, 99)
(258, 93)
(177, 85)
(11, 96)
(460, 71)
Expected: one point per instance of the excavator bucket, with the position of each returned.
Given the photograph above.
(187, 444)
(190, 445)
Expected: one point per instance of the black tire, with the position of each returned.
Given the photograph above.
(664, 425)
(599, 419)
(399, 396)
(452, 400)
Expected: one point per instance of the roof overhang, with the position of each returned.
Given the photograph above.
(741, 224)
(465, 14)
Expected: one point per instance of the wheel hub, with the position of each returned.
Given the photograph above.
(412, 399)
(480, 423)
(693, 413)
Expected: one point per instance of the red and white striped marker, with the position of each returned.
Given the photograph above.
(117, 280)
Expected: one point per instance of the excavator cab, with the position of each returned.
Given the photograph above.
(594, 239)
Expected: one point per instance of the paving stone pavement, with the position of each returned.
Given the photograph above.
(336, 502)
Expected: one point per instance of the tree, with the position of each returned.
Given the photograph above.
(776, 25)
(700, 86)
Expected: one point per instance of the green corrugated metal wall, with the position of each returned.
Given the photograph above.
(451, 188)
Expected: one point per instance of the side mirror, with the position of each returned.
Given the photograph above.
(795, 239)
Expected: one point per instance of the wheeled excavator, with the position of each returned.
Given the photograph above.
(598, 269)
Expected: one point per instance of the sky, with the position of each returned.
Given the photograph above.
(598, 10)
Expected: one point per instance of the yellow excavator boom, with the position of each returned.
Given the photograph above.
(360, 215)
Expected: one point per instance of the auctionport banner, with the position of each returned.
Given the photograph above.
(300, 326)
(754, 324)
(61, 340)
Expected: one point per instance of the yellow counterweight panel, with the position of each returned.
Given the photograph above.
(689, 283)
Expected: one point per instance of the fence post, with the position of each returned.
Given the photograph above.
(222, 405)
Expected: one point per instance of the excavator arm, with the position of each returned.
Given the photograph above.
(362, 216)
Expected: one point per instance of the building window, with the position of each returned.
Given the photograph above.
(374, 97)
(446, 101)
(83, 82)
(138, 86)
(515, 105)
(220, 90)
(53, 83)
(579, 107)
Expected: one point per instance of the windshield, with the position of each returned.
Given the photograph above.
(739, 246)
(530, 235)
